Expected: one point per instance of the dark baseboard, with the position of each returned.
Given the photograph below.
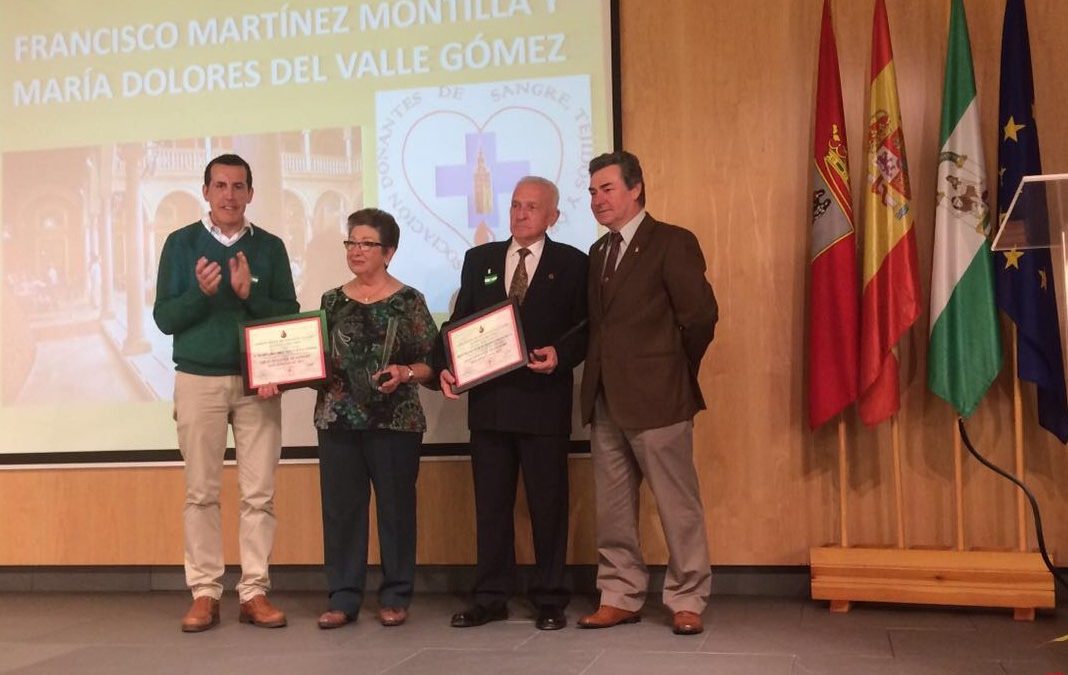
(783, 581)
(791, 581)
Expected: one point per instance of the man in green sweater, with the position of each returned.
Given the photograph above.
(213, 275)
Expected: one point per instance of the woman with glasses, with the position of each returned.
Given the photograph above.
(370, 423)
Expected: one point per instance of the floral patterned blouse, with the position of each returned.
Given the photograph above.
(349, 400)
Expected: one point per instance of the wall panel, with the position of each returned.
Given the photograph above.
(718, 102)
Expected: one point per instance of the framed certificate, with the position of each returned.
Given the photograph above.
(485, 345)
(288, 351)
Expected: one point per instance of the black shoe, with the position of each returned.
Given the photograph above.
(476, 615)
(550, 618)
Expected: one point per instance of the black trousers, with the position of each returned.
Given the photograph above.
(496, 458)
(349, 463)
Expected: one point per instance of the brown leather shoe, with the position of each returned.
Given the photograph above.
(607, 616)
(392, 616)
(687, 623)
(260, 612)
(202, 615)
(333, 618)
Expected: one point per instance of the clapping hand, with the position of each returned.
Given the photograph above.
(209, 275)
(240, 275)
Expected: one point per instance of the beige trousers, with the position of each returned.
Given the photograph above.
(664, 458)
(203, 407)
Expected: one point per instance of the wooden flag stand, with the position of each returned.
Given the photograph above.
(1013, 579)
(844, 574)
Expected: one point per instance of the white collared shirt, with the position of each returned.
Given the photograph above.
(627, 232)
(511, 261)
(214, 230)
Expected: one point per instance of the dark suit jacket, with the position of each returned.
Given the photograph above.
(524, 401)
(650, 330)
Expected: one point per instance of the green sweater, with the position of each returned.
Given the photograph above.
(205, 328)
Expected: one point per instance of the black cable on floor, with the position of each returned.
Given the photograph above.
(1030, 497)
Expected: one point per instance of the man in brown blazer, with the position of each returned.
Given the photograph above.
(652, 315)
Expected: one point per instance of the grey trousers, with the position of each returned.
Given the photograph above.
(664, 458)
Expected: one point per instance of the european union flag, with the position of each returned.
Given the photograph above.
(1025, 278)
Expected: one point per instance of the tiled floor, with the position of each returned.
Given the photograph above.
(117, 633)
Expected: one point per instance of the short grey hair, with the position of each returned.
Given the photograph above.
(554, 192)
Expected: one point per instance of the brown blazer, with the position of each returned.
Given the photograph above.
(649, 328)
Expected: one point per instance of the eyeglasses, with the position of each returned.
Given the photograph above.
(361, 245)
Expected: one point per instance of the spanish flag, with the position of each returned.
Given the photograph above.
(890, 300)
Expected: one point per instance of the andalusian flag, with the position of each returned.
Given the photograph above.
(964, 356)
(890, 301)
(832, 303)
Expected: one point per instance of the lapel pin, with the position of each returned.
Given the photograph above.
(551, 275)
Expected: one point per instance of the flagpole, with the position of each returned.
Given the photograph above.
(843, 484)
(899, 499)
(1017, 420)
(958, 484)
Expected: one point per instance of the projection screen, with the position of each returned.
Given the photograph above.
(429, 109)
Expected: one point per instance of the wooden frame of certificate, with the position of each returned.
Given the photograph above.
(485, 345)
(287, 351)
